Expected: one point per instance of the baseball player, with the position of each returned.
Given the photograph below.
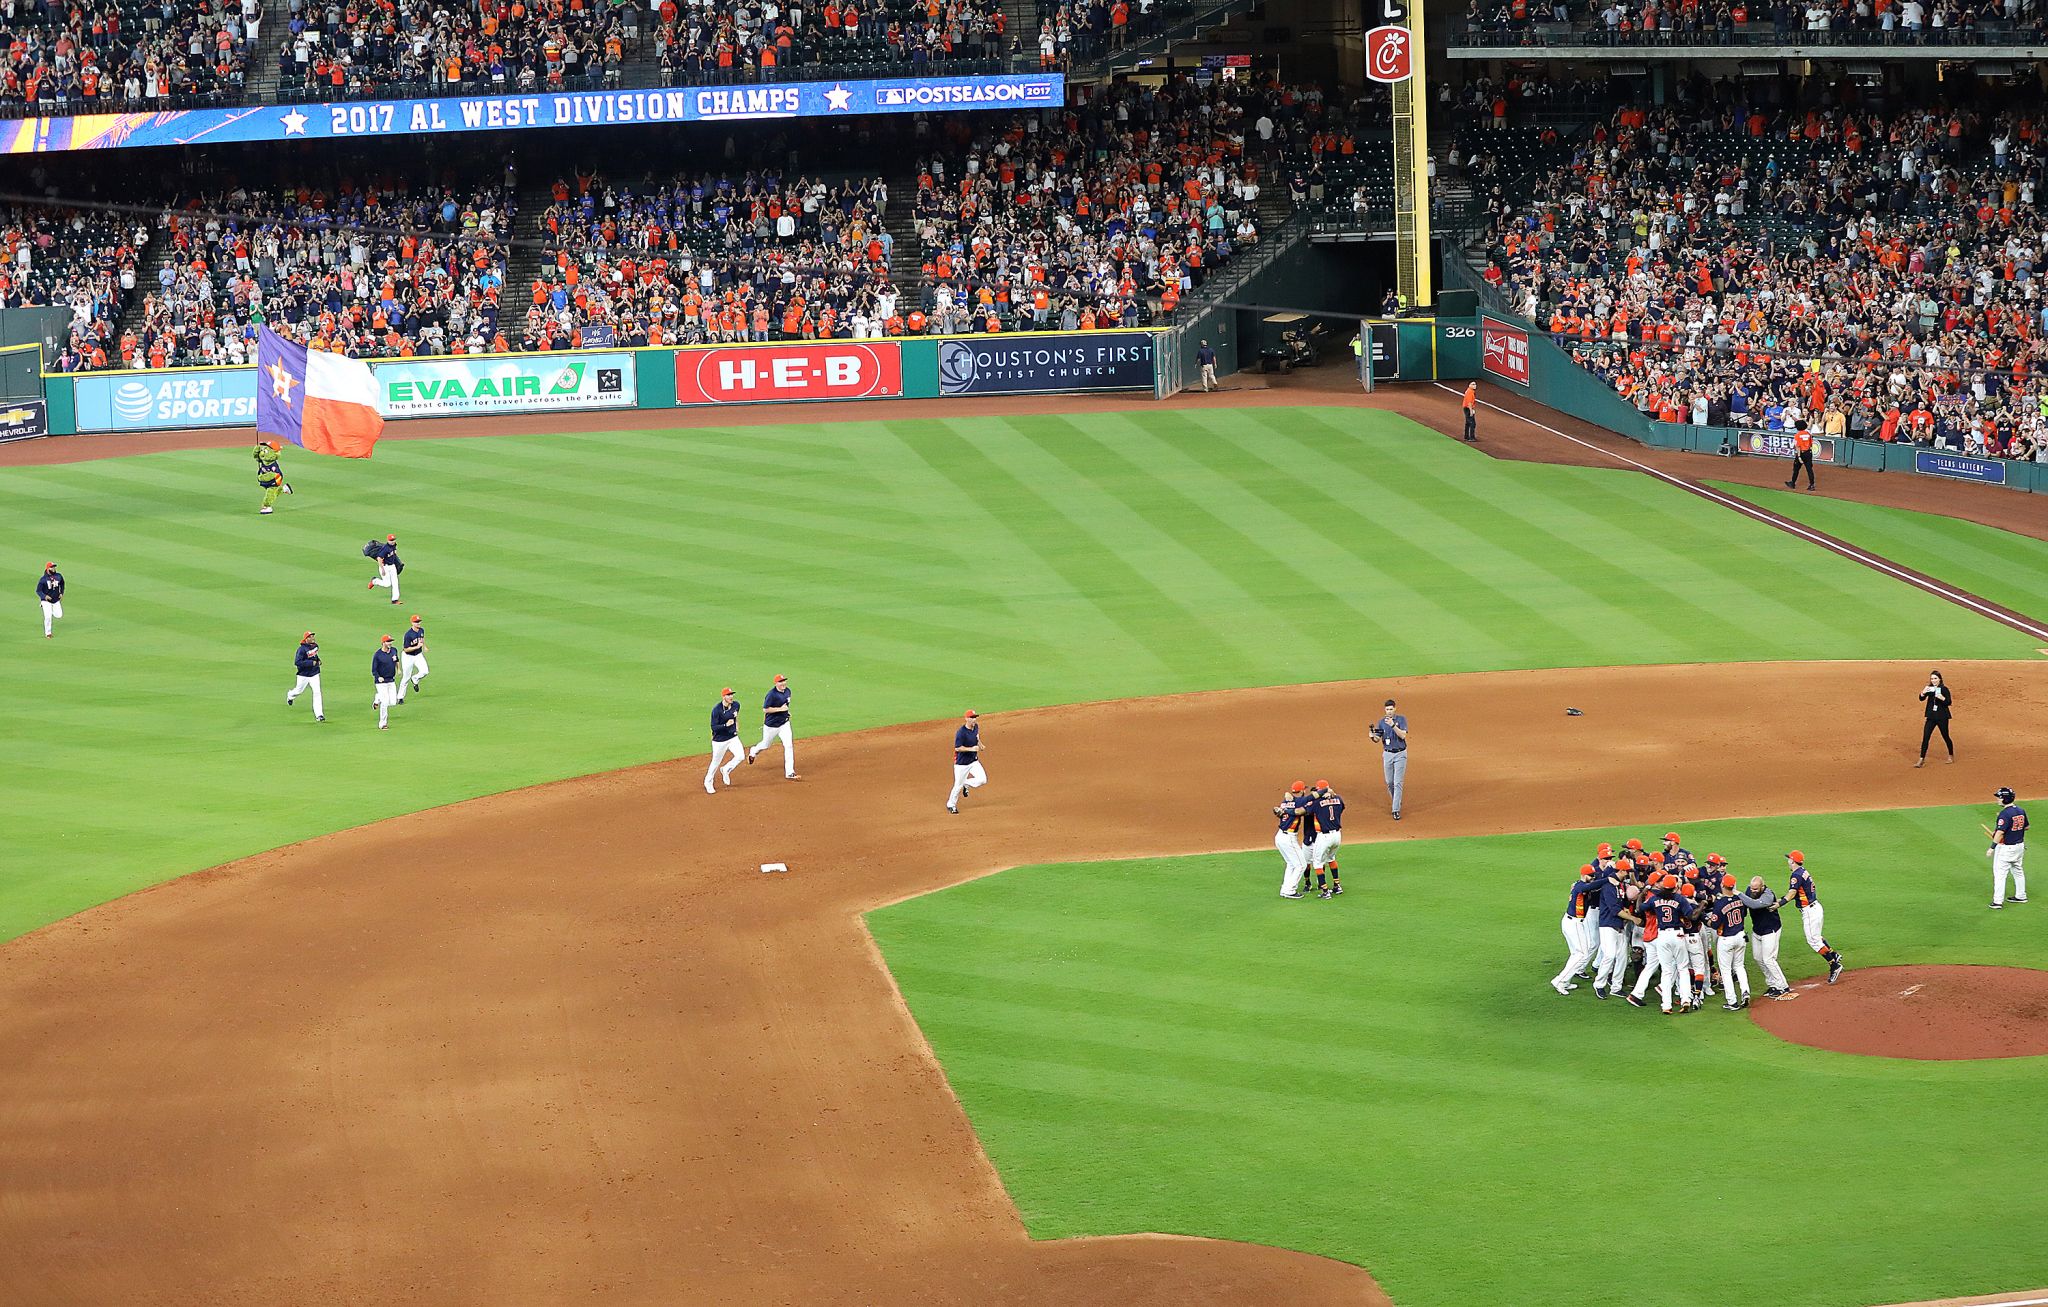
(1765, 930)
(1693, 938)
(384, 675)
(775, 726)
(725, 740)
(1611, 901)
(1580, 930)
(306, 663)
(2008, 850)
(412, 658)
(1664, 915)
(1327, 809)
(1391, 733)
(270, 473)
(1675, 856)
(1292, 815)
(967, 769)
(1730, 947)
(50, 592)
(1801, 893)
(388, 567)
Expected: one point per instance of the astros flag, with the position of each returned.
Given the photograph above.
(323, 402)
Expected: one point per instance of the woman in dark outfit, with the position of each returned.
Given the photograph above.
(1937, 701)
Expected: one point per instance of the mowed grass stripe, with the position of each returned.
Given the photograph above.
(586, 594)
(1406, 1072)
(2002, 566)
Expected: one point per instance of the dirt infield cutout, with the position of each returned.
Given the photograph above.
(570, 1044)
(1931, 1013)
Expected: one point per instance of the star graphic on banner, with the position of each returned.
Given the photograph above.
(281, 383)
(839, 99)
(295, 123)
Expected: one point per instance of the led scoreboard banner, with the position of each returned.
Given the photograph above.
(359, 119)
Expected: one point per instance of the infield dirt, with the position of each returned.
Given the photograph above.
(570, 1044)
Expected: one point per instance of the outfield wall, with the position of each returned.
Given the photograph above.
(694, 376)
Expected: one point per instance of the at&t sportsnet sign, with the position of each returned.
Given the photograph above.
(756, 374)
(166, 401)
(994, 365)
(1504, 351)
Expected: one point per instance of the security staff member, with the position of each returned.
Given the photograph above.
(725, 740)
(1802, 456)
(50, 591)
(1207, 358)
(384, 675)
(306, 663)
(1936, 703)
(1390, 732)
(2009, 850)
(1472, 411)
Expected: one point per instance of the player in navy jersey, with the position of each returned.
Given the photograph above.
(1581, 929)
(775, 726)
(725, 740)
(1327, 810)
(50, 594)
(306, 669)
(1806, 897)
(1292, 817)
(1730, 947)
(2008, 849)
(968, 773)
(384, 677)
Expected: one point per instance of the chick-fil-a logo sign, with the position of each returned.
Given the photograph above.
(1389, 56)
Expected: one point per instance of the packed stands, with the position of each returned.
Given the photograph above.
(88, 261)
(377, 268)
(1106, 215)
(402, 48)
(103, 56)
(1899, 23)
(1825, 268)
(861, 38)
(710, 257)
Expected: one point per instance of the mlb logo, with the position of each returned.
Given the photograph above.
(889, 95)
(1389, 54)
(610, 381)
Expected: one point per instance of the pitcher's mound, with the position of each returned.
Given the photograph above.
(1935, 1014)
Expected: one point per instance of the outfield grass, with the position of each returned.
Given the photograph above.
(586, 596)
(2001, 566)
(1388, 1079)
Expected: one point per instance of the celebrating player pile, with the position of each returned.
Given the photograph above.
(1648, 914)
(1311, 831)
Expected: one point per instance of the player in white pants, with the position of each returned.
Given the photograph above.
(1581, 934)
(775, 712)
(1328, 808)
(412, 658)
(306, 669)
(1763, 905)
(1731, 948)
(2008, 850)
(1291, 813)
(50, 594)
(968, 773)
(387, 568)
(725, 740)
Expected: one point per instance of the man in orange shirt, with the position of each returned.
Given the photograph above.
(1472, 412)
(1802, 456)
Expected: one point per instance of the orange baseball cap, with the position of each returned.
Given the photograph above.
(307, 636)
(971, 714)
(1655, 856)
(782, 680)
(1605, 850)
(1796, 856)
(1626, 865)
(1322, 785)
(1716, 860)
(1727, 882)
(1686, 890)
(1586, 870)
(415, 617)
(1298, 786)
(385, 640)
(1635, 844)
(727, 690)
(390, 538)
(1671, 835)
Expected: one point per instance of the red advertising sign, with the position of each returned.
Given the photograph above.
(1504, 351)
(1389, 54)
(754, 374)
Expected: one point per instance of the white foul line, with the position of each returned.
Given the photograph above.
(1910, 990)
(1728, 501)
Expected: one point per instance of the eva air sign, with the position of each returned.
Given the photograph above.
(517, 383)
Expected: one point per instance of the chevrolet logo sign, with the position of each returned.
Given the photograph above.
(17, 415)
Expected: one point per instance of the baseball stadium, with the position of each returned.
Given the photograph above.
(1023, 652)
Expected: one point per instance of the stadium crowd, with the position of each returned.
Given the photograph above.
(376, 269)
(102, 56)
(691, 259)
(337, 50)
(1728, 22)
(54, 257)
(1823, 268)
(722, 41)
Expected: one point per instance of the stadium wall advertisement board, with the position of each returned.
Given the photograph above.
(167, 401)
(996, 365)
(362, 119)
(506, 383)
(1780, 444)
(1962, 467)
(767, 374)
(1504, 351)
(24, 419)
